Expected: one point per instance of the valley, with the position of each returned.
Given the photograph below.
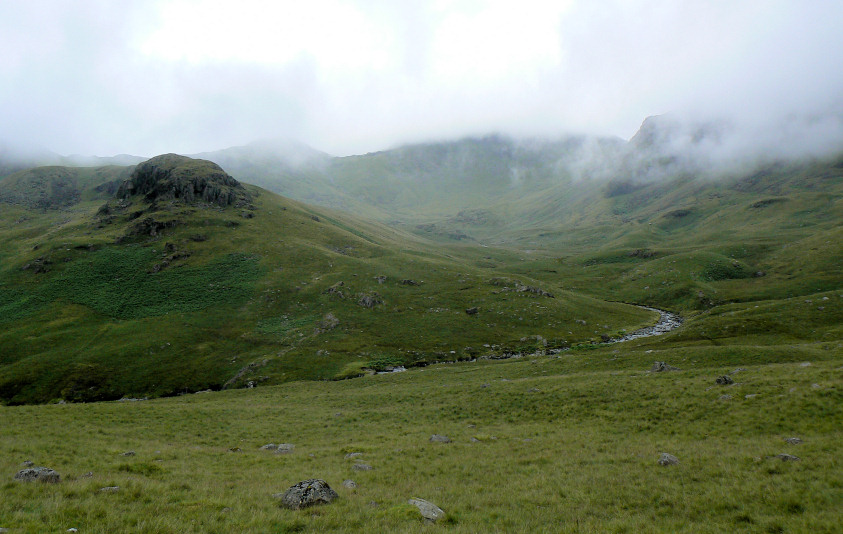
(192, 309)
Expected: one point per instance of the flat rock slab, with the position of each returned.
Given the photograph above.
(362, 467)
(438, 438)
(40, 474)
(793, 441)
(787, 457)
(428, 510)
(307, 493)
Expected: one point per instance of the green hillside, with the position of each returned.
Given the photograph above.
(187, 280)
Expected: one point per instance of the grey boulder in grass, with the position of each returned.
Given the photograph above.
(308, 493)
(39, 474)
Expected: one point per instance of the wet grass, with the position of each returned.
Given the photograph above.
(544, 444)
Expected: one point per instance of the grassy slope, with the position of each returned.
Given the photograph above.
(543, 444)
(100, 325)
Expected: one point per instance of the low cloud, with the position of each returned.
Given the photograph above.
(351, 76)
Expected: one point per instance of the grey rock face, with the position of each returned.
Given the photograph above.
(40, 474)
(308, 493)
(668, 459)
(724, 380)
(437, 438)
(428, 510)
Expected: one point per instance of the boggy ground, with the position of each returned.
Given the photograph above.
(566, 443)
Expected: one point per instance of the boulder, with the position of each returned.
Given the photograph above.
(472, 311)
(284, 448)
(787, 457)
(329, 322)
(349, 484)
(793, 441)
(428, 510)
(659, 367)
(668, 459)
(110, 489)
(362, 467)
(308, 493)
(724, 380)
(40, 474)
(438, 438)
(369, 300)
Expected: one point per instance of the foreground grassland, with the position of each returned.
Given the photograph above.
(565, 443)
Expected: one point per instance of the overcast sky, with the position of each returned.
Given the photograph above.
(145, 77)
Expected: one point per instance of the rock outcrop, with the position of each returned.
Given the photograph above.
(171, 177)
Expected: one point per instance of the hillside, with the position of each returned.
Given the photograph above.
(187, 280)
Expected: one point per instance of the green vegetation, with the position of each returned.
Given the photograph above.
(542, 444)
(292, 309)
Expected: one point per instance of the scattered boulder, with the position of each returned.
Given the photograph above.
(369, 300)
(724, 380)
(329, 322)
(725, 397)
(110, 489)
(787, 457)
(28, 463)
(362, 467)
(793, 441)
(235, 449)
(438, 438)
(269, 447)
(668, 459)
(284, 448)
(408, 282)
(380, 278)
(472, 311)
(335, 290)
(308, 493)
(660, 367)
(127, 453)
(40, 474)
(351, 455)
(349, 484)
(428, 510)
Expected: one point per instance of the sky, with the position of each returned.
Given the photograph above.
(348, 77)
